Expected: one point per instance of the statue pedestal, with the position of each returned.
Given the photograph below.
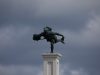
(51, 63)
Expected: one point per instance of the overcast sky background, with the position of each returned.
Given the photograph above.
(77, 20)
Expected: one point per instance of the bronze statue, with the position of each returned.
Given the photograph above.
(49, 36)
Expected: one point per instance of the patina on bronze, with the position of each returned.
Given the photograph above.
(50, 36)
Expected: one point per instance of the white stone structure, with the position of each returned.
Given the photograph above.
(51, 63)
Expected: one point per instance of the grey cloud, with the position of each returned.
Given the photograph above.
(17, 10)
(58, 13)
(88, 36)
(84, 47)
(20, 70)
(17, 46)
(59, 7)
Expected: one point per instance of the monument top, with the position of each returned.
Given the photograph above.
(50, 36)
(51, 55)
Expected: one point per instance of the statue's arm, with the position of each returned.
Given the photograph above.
(58, 34)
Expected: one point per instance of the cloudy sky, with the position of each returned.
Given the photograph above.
(77, 20)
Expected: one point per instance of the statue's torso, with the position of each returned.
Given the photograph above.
(50, 36)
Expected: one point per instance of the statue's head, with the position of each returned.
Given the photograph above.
(47, 29)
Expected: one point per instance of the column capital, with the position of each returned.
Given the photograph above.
(51, 55)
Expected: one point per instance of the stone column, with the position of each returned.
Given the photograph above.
(51, 63)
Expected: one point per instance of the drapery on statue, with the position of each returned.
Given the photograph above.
(49, 36)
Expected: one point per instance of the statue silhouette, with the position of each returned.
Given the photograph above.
(50, 36)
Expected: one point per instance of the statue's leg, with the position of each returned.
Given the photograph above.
(52, 47)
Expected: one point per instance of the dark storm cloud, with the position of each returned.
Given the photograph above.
(20, 70)
(42, 12)
(12, 11)
(16, 47)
